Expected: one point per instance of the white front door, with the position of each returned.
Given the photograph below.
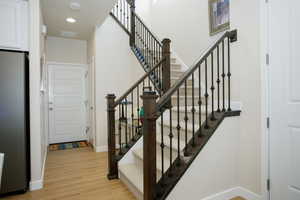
(284, 45)
(66, 103)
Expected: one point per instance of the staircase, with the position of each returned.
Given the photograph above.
(175, 111)
(131, 173)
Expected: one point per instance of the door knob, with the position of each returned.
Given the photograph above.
(50, 109)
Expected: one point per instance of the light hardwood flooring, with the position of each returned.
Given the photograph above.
(78, 174)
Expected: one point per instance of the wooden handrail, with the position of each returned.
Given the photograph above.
(152, 34)
(119, 100)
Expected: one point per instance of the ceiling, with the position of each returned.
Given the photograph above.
(91, 13)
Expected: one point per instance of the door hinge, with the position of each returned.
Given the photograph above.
(267, 59)
(268, 122)
(268, 184)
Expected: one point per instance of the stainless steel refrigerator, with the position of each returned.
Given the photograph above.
(14, 121)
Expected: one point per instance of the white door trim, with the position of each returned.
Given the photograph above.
(83, 66)
(265, 101)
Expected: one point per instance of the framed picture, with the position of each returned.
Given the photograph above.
(219, 16)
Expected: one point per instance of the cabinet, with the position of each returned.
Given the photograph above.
(14, 26)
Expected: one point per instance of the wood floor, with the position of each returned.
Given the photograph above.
(78, 174)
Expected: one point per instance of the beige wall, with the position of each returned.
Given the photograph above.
(66, 50)
(186, 23)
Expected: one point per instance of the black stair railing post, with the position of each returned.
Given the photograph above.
(166, 68)
(112, 162)
(149, 146)
(132, 23)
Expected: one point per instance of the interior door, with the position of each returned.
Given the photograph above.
(66, 103)
(284, 45)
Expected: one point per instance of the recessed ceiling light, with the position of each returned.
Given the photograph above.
(71, 20)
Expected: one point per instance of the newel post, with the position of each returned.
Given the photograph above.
(111, 136)
(149, 132)
(132, 23)
(166, 70)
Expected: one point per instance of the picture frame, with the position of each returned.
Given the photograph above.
(219, 16)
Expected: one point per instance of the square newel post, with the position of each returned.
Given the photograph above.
(149, 132)
(111, 136)
(166, 69)
(132, 23)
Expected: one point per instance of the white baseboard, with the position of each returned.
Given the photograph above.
(234, 192)
(101, 149)
(39, 184)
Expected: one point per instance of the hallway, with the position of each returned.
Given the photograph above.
(77, 174)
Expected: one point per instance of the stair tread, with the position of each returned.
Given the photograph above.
(134, 174)
(139, 153)
(182, 124)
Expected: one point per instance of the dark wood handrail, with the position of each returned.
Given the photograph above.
(119, 100)
(166, 97)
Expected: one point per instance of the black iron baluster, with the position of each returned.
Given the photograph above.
(223, 75)
(132, 119)
(138, 108)
(162, 146)
(171, 138)
(120, 132)
(178, 128)
(229, 75)
(185, 118)
(206, 97)
(193, 111)
(218, 74)
(212, 88)
(200, 101)
(126, 124)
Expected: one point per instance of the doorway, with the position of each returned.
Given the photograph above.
(67, 110)
(284, 103)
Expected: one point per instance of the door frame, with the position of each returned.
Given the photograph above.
(84, 66)
(265, 98)
(92, 95)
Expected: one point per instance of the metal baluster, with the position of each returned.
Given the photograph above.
(193, 110)
(212, 87)
(138, 108)
(229, 75)
(206, 97)
(171, 137)
(218, 79)
(178, 128)
(120, 132)
(162, 146)
(186, 117)
(132, 119)
(223, 75)
(200, 101)
(126, 124)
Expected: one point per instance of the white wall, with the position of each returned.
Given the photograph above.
(215, 168)
(116, 70)
(35, 109)
(187, 25)
(66, 50)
